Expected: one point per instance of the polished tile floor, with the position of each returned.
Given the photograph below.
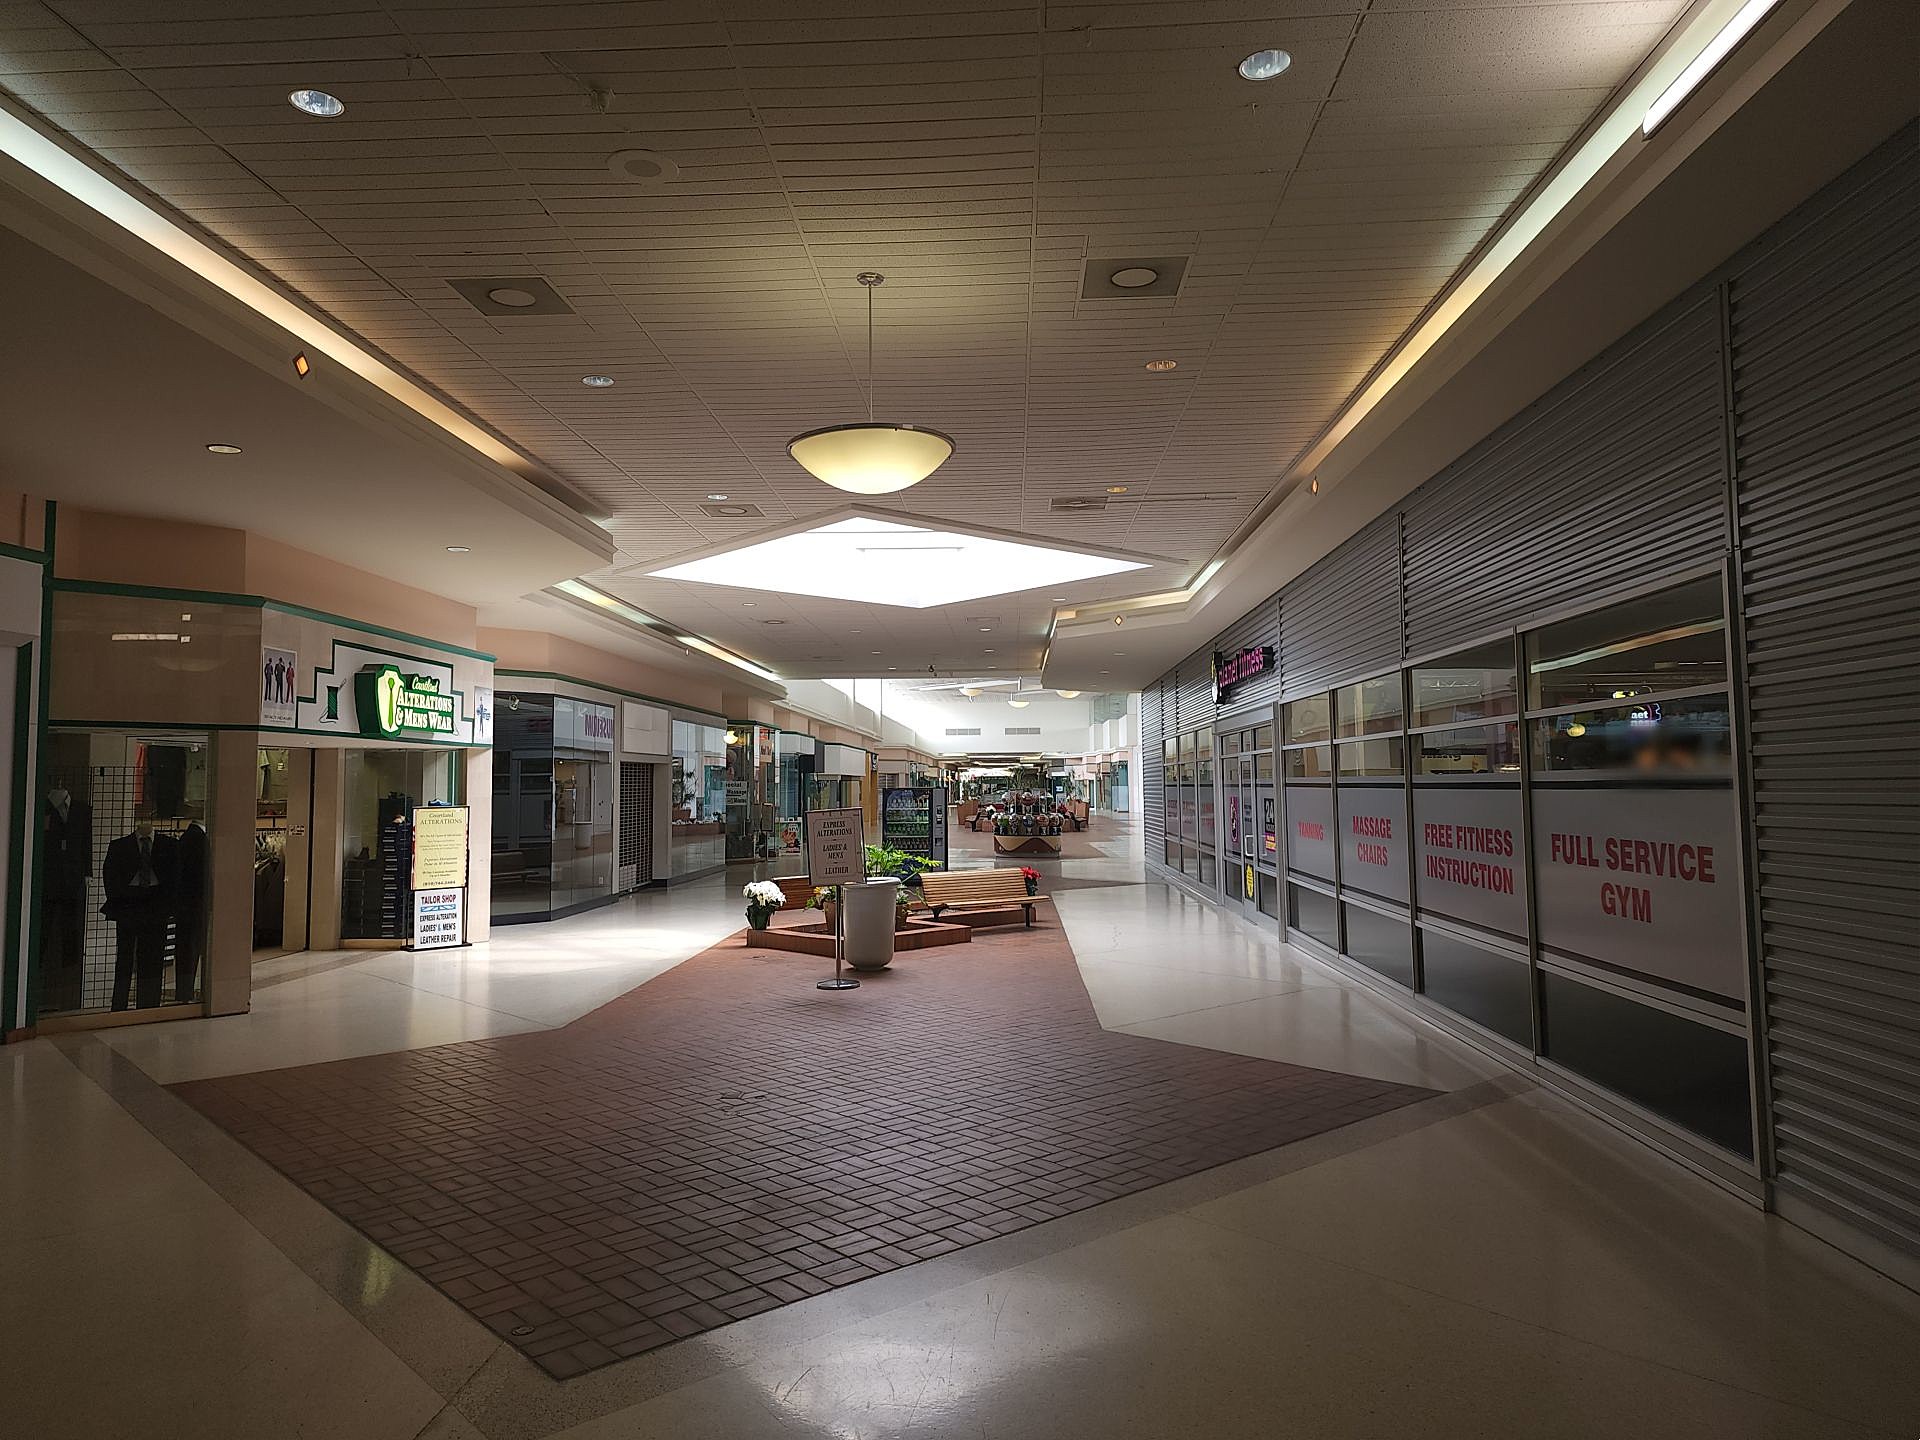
(1486, 1262)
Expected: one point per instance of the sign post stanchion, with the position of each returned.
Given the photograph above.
(836, 856)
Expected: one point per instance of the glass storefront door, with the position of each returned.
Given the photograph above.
(1239, 881)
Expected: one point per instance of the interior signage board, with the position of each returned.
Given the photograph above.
(396, 706)
(1373, 840)
(439, 918)
(1466, 848)
(1230, 670)
(1310, 830)
(440, 847)
(836, 847)
(1643, 878)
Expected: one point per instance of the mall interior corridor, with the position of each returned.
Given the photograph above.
(1456, 1252)
(959, 719)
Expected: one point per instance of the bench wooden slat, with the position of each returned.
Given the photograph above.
(996, 889)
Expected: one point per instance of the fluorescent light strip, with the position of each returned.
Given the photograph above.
(1613, 132)
(1718, 48)
(94, 190)
(613, 605)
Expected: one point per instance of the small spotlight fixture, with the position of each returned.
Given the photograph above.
(302, 366)
(1264, 64)
(1119, 619)
(318, 103)
(1313, 486)
(459, 549)
(221, 447)
(1116, 489)
(1160, 367)
(717, 496)
(597, 382)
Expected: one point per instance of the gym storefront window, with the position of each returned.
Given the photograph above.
(1636, 857)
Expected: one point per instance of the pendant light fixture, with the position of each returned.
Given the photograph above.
(874, 458)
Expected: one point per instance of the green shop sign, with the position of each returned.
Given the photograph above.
(394, 706)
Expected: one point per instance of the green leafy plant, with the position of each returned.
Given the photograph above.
(883, 860)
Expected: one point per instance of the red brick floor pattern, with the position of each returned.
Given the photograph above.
(726, 1138)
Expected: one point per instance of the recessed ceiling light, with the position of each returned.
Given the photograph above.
(222, 448)
(1264, 64)
(989, 652)
(1058, 600)
(1134, 277)
(748, 604)
(512, 296)
(1019, 704)
(592, 382)
(302, 366)
(1119, 619)
(773, 622)
(1068, 694)
(1161, 365)
(717, 496)
(1116, 489)
(317, 102)
(459, 549)
(889, 562)
(986, 629)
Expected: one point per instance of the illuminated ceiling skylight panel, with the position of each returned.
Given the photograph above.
(882, 562)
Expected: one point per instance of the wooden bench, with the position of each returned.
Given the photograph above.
(971, 890)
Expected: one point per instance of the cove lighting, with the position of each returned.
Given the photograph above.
(880, 561)
(1704, 64)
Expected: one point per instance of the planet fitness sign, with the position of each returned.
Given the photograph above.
(392, 706)
(1230, 670)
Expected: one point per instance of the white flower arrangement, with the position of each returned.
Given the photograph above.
(764, 892)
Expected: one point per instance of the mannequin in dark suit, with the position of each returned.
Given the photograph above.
(189, 910)
(139, 874)
(66, 860)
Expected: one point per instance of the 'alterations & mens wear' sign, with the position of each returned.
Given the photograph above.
(393, 706)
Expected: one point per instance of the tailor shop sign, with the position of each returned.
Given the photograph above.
(1230, 671)
(1645, 879)
(395, 706)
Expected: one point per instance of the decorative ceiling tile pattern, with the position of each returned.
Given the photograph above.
(978, 152)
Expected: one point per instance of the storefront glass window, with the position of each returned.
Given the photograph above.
(1672, 640)
(1308, 719)
(522, 805)
(383, 788)
(1469, 750)
(699, 796)
(1370, 707)
(124, 868)
(1675, 738)
(1475, 684)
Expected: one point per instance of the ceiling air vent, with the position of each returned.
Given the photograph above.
(512, 295)
(1023, 729)
(1074, 504)
(974, 731)
(1154, 277)
(734, 511)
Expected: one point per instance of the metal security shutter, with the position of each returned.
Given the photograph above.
(1259, 626)
(1826, 354)
(1616, 475)
(1153, 777)
(636, 823)
(1341, 617)
(1193, 705)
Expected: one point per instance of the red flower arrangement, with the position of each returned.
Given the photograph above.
(1032, 877)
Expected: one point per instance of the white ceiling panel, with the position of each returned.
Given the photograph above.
(978, 152)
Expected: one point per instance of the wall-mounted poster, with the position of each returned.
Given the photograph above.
(1373, 840)
(1233, 822)
(1269, 834)
(1310, 830)
(1466, 841)
(279, 674)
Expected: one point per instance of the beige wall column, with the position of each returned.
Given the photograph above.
(324, 835)
(229, 962)
(479, 793)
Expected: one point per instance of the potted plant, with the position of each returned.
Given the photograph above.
(822, 900)
(1032, 877)
(763, 898)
